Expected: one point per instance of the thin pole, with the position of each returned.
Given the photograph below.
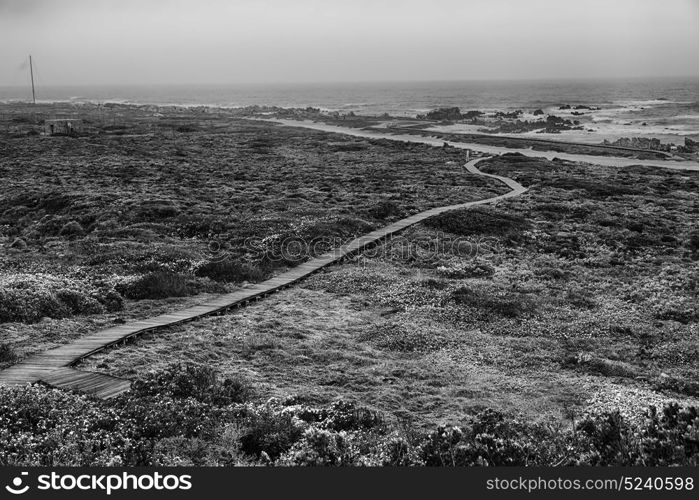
(31, 72)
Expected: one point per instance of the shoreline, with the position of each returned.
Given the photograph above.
(597, 122)
(372, 127)
(610, 161)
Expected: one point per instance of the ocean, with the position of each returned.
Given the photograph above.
(664, 108)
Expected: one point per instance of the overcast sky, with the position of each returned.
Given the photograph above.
(242, 41)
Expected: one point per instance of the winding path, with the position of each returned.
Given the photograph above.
(56, 366)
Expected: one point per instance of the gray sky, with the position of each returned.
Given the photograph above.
(243, 41)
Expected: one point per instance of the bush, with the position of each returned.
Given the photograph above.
(7, 354)
(693, 242)
(194, 381)
(79, 303)
(230, 271)
(580, 299)
(385, 209)
(319, 447)
(72, 228)
(156, 210)
(474, 269)
(112, 301)
(678, 385)
(270, 432)
(395, 337)
(498, 302)
(155, 285)
(49, 427)
(492, 438)
(30, 297)
(479, 222)
(347, 416)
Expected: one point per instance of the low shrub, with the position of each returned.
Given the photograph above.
(385, 209)
(693, 242)
(7, 353)
(677, 385)
(270, 432)
(156, 210)
(494, 302)
(602, 366)
(580, 299)
(230, 271)
(112, 301)
(30, 297)
(194, 381)
(155, 285)
(72, 228)
(479, 222)
(475, 269)
(395, 337)
(182, 425)
(492, 438)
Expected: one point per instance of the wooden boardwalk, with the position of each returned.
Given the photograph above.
(55, 366)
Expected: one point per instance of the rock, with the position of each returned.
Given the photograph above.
(641, 143)
(691, 146)
(538, 112)
(565, 106)
(444, 114)
(472, 114)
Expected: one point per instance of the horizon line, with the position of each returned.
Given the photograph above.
(371, 82)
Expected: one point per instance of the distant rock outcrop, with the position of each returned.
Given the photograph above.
(442, 114)
(640, 143)
(472, 114)
(538, 112)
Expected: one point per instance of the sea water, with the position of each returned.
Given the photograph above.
(665, 108)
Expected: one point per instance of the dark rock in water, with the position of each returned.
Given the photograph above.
(555, 124)
(565, 106)
(691, 146)
(538, 112)
(472, 115)
(444, 114)
(512, 115)
(644, 124)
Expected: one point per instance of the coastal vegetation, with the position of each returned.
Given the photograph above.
(556, 328)
(187, 415)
